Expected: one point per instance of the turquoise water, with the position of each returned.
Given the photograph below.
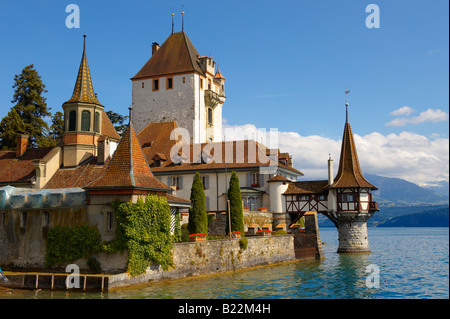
(411, 263)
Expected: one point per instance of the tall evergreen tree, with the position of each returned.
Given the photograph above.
(30, 104)
(10, 126)
(198, 218)
(57, 127)
(236, 209)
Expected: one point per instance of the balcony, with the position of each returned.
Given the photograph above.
(211, 99)
(373, 206)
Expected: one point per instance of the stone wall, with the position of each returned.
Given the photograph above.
(216, 256)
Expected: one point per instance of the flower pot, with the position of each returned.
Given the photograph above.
(197, 237)
(235, 235)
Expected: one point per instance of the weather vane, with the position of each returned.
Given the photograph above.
(346, 105)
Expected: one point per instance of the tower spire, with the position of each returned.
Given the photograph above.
(83, 90)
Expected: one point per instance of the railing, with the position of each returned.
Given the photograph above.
(373, 206)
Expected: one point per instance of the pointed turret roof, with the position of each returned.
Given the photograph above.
(349, 173)
(84, 91)
(128, 167)
(176, 55)
(219, 74)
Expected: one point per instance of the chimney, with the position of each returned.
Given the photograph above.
(155, 47)
(330, 171)
(103, 151)
(22, 143)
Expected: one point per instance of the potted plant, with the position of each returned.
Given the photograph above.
(197, 237)
(235, 234)
(262, 209)
(264, 232)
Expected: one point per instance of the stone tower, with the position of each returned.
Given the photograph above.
(85, 121)
(177, 84)
(350, 199)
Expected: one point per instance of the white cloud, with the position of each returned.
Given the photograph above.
(429, 115)
(404, 110)
(407, 155)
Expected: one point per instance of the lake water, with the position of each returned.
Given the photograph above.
(406, 263)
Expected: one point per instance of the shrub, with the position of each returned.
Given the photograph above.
(280, 232)
(198, 218)
(236, 211)
(243, 242)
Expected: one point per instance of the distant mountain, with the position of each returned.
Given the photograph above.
(429, 218)
(399, 192)
(397, 197)
(441, 187)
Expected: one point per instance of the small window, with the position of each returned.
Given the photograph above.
(23, 219)
(205, 181)
(303, 197)
(142, 84)
(169, 84)
(85, 120)
(209, 84)
(72, 120)
(97, 122)
(210, 119)
(155, 85)
(347, 198)
(109, 221)
(184, 79)
(322, 197)
(201, 83)
(255, 179)
(176, 182)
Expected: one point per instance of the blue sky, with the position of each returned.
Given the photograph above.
(286, 63)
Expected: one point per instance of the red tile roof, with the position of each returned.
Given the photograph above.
(80, 176)
(176, 55)
(128, 168)
(21, 169)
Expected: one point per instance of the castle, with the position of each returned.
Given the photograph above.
(177, 92)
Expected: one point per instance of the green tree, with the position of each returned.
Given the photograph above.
(30, 104)
(57, 127)
(198, 218)
(118, 121)
(10, 126)
(236, 209)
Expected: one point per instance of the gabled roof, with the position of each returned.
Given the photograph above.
(176, 55)
(128, 167)
(306, 187)
(83, 90)
(79, 176)
(15, 170)
(349, 172)
(108, 128)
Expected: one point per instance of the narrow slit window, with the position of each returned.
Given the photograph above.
(155, 85)
(169, 83)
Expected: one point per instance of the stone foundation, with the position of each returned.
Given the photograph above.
(353, 233)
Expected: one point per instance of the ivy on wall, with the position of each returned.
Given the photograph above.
(66, 244)
(143, 229)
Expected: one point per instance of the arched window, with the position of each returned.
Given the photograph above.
(85, 120)
(97, 122)
(72, 120)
